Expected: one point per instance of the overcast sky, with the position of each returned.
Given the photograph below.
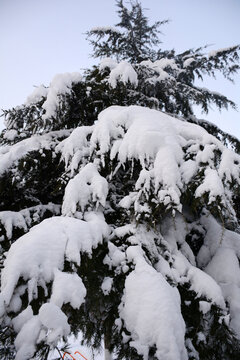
(39, 38)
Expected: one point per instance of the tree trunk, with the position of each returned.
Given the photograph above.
(107, 353)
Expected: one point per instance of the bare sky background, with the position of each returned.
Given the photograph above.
(39, 38)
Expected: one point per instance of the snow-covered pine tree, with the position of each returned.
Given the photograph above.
(134, 42)
(165, 80)
(134, 218)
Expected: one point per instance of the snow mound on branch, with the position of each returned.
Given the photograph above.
(17, 151)
(205, 285)
(60, 85)
(37, 95)
(165, 63)
(23, 219)
(49, 325)
(10, 135)
(188, 62)
(159, 68)
(86, 188)
(27, 338)
(67, 288)
(11, 219)
(53, 318)
(107, 285)
(107, 63)
(38, 258)
(222, 246)
(36, 255)
(151, 311)
(75, 147)
(123, 72)
(105, 29)
(213, 53)
(211, 177)
(171, 153)
(184, 269)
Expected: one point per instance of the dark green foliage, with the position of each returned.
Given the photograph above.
(195, 239)
(36, 181)
(209, 334)
(133, 38)
(44, 167)
(25, 119)
(7, 337)
(227, 139)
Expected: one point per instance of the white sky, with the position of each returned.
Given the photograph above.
(39, 38)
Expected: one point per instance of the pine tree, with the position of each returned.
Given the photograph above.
(136, 40)
(165, 79)
(131, 216)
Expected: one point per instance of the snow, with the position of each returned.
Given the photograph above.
(75, 147)
(128, 200)
(60, 86)
(87, 187)
(123, 72)
(23, 219)
(228, 277)
(212, 184)
(115, 256)
(204, 306)
(214, 53)
(27, 338)
(215, 236)
(232, 294)
(22, 318)
(201, 337)
(188, 62)
(162, 143)
(107, 285)
(36, 142)
(151, 311)
(50, 324)
(121, 231)
(161, 68)
(75, 348)
(37, 95)
(229, 166)
(53, 318)
(36, 255)
(10, 219)
(67, 288)
(231, 272)
(165, 63)
(10, 135)
(204, 285)
(2, 307)
(107, 63)
(105, 29)
(219, 257)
